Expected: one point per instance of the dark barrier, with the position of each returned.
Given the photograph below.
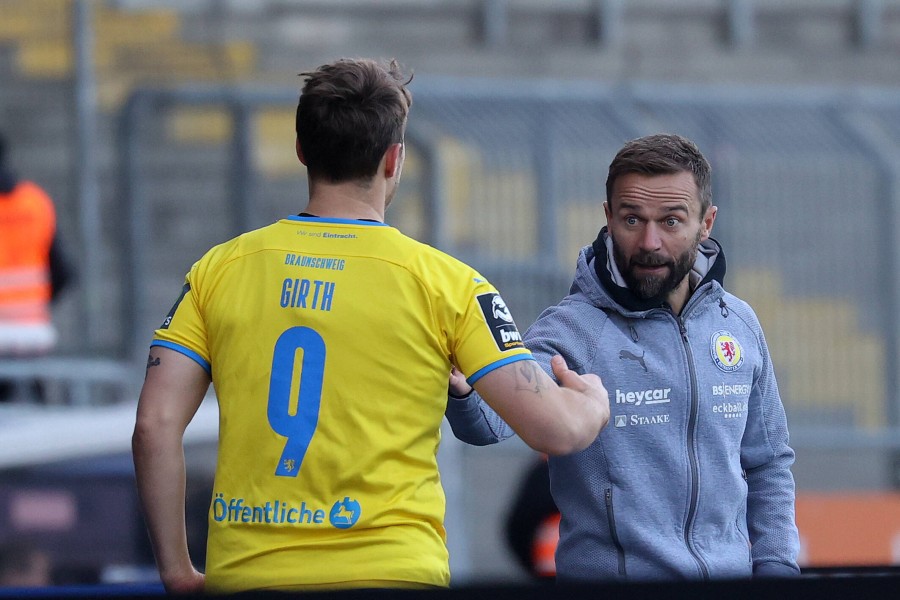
(818, 584)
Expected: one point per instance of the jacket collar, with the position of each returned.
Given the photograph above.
(709, 266)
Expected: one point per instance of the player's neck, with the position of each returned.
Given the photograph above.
(346, 201)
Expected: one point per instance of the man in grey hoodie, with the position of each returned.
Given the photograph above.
(692, 480)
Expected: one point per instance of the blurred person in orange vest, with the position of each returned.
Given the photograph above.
(33, 269)
(532, 524)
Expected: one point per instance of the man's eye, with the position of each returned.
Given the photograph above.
(631, 220)
(671, 222)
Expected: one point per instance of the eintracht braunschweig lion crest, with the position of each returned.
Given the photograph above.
(726, 351)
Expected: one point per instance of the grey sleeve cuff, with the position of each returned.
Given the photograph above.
(775, 569)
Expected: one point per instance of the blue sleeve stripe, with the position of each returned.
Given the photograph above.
(186, 351)
(495, 365)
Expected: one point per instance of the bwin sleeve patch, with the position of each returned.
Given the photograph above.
(500, 321)
(168, 321)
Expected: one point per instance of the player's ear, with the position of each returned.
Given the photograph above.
(393, 160)
(300, 152)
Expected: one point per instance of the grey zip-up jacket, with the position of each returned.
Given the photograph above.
(691, 478)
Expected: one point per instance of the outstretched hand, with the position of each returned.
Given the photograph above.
(587, 384)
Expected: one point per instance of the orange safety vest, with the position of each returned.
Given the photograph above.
(543, 551)
(27, 227)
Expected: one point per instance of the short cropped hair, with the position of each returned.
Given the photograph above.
(349, 113)
(662, 154)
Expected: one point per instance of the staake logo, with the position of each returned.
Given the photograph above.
(499, 321)
(726, 351)
(637, 420)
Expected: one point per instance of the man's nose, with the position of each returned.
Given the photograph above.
(650, 238)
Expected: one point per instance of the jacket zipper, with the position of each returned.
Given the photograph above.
(620, 552)
(692, 454)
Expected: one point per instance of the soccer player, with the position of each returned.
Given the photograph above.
(329, 336)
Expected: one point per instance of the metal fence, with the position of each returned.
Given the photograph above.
(509, 177)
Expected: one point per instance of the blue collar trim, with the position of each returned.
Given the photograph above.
(336, 220)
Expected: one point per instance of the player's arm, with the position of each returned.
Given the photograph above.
(173, 390)
(554, 419)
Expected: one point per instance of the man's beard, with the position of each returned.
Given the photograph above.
(653, 287)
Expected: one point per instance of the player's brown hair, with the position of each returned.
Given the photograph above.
(349, 113)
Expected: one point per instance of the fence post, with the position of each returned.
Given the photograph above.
(86, 170)
(607, 22)
(868, 22)
(740, 23)
(494, 22)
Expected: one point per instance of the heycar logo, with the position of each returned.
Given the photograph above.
(653, 396)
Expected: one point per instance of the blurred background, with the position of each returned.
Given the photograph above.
(162, 127)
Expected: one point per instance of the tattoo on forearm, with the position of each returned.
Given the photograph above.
(527, 372)
(528, 378)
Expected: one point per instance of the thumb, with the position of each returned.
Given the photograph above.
(570, 379)
(565, 376)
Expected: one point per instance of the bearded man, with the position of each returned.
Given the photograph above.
(692, 479)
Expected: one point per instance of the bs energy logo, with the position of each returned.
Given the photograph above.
(726, 351)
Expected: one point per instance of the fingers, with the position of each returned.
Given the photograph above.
(570, 379)
(565, 376)
(458, 386)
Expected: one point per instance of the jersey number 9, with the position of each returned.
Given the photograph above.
(297, 427)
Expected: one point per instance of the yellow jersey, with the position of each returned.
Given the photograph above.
(329, 343)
